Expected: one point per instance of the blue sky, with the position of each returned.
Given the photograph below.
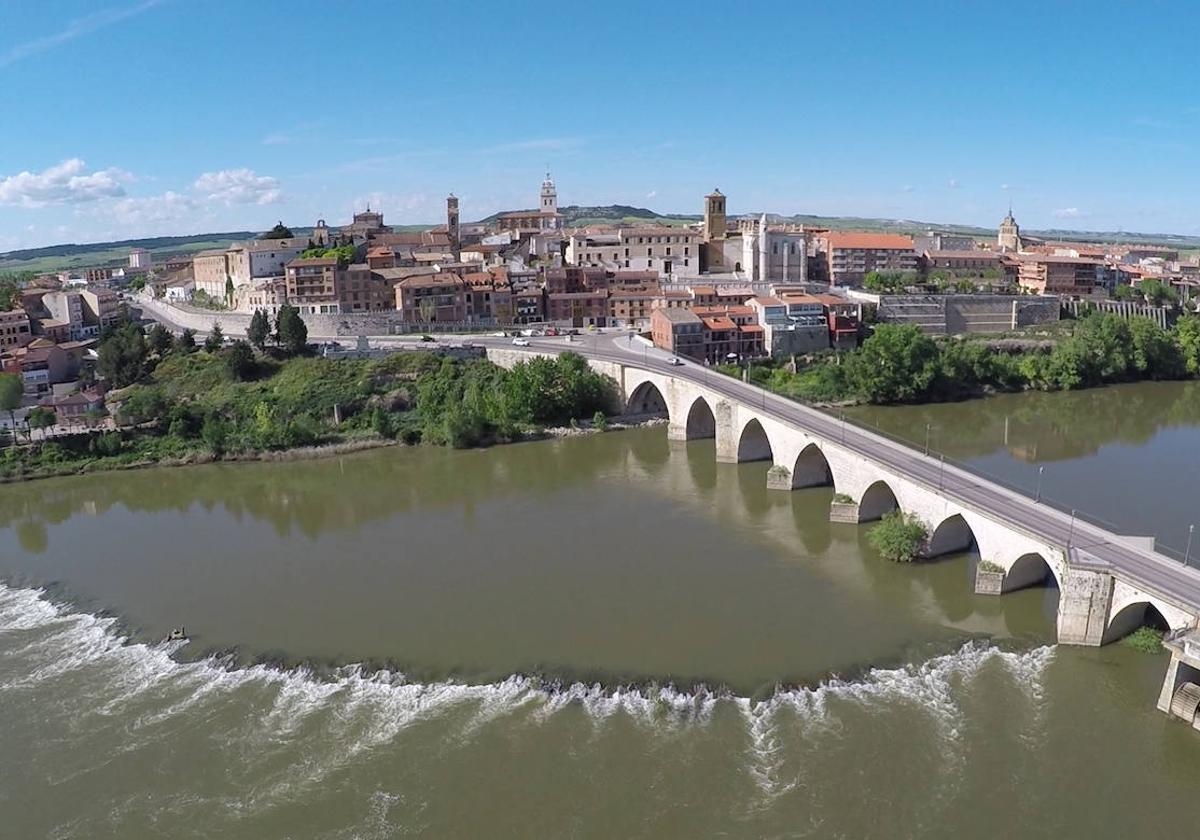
(125, 118)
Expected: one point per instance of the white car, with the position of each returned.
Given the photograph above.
(674, 360)
(521, 342)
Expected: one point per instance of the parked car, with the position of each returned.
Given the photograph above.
(674, 360)
(521, 342)
(428, 338)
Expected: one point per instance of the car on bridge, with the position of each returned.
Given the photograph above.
(521, 342)
(674, 360)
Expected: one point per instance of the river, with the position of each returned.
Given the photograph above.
(602, 636)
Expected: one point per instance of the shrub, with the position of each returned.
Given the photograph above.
(599, 421)
(898, 537)
(1144, 640)
(842, 499)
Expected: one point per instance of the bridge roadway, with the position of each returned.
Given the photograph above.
(1089, 546)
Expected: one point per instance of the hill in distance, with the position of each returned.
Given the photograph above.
(70, 256)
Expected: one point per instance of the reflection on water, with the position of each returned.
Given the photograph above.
(618, 557)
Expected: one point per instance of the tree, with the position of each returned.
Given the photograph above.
(1125, 292)
(259, 330)
(1187, 336)
(42, 418)
(290, 330)
(214, 434)
(215, 340)
(280, 231)
(1153, 354)
(12, 389)
(896, 364)
(427, 308)
(123, 356)
(229, 291)
(187, 341)
(1157, 293)
(239, 360)
(898, 537)
(161, 340)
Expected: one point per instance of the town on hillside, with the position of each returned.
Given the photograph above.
(721, 289)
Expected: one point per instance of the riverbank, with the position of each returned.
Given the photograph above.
(902, 365)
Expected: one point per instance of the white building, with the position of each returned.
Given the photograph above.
(663, 249)
(141, 258)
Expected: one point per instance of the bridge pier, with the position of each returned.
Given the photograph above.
(727, 436)
(1083, 606)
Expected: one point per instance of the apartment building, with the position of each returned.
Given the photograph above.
(312, 285)
(661, 249)
(14, 329)
(1059, 275)
(432, 298)
(851, 256)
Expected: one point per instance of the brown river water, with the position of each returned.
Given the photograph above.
(603, 636)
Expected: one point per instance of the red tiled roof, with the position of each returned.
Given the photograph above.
(871, 241)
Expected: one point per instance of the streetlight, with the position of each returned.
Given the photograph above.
(1187, 551)
(843, 425)
(927, 438)
(1037, 497)
(941, 468)
(1071, 531)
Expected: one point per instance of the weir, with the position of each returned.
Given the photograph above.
(1106, 581)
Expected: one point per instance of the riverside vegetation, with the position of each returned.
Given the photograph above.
(900, 364)
(177, 403)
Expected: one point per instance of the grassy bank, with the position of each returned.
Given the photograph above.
(191, 406)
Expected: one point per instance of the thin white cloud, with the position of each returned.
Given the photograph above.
(154, 210)
(1005, 187)
(277, 139)
(953, 183)
(74, 29)
(907, 188)
(652, 194)
(64, 183)
(543, 144)
(239, 186)
(1068, 213)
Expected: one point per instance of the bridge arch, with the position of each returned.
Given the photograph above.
(701, 422)
(646, 398)
(1132, 616)
(753, 443)
(1030, 569)
(811, 468)
(951, 536)
(877, 500)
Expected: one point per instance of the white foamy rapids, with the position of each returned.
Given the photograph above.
(930, 687)
(42, 643)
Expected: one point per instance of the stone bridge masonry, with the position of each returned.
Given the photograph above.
(1096, 603)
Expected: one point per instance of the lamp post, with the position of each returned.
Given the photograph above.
(1037, 497)
(843, 425)
(1188, 551)
(926, 438)
(1071, 530)
(941, 468)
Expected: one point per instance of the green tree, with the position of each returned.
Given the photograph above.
(239, 360)
(42, 418)
(187, 340)
(1187, 337)
(215, 340)
(1157, 293)
(290, 331)
(123, 356)
(1154, 355)
(160, 339)
(259, 330)
(12, 389)
(898, 537)
(214, 433)
(280, 231)
(1125, 292)
(229, 291)
(896, 364)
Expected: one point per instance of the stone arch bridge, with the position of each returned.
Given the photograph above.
(1107, 583)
